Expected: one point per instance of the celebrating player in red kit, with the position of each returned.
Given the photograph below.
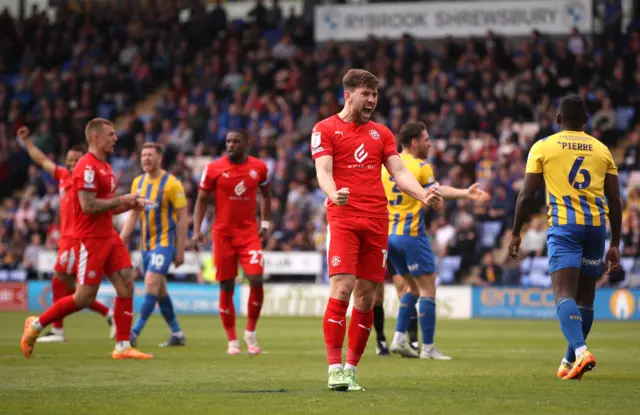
(349, 151)
(63, 281)
(235, 180)
(101, 251)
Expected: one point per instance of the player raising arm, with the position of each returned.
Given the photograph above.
(164, 235)
(349, 151)
(579, 173)
(63, 281)
(235, 180)
(410, 251)
(101, 251)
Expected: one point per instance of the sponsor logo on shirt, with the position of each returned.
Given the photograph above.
(240, 188)
(316, 139)
(89, 178)
(360, 154)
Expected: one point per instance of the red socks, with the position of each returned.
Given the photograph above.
(58, 290)
(335, 328)
(59, 310)
(123, 316)
(99, 308)
(254, 305)
(359, 331)
(228, 314)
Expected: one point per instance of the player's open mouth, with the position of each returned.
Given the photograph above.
(367, 110)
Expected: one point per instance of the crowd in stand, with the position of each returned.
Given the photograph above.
(485, 102)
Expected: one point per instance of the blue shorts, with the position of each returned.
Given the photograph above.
(577, 246)
(411, 255)
(158, 260)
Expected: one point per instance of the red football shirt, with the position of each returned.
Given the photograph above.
(65, 190)
(235, 188)
(93, 175)
(358, 151)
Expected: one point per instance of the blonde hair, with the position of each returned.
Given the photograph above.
(95, 126)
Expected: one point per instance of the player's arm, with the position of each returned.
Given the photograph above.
(265, 209)
(91, 205)
(526, 199)
(34, 152)
(199, 210)
(473, 192)
(181, 235)
(129, 226)
(324, 174)
(407, 182)
(612, 192)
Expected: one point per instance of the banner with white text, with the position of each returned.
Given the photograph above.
(458, 19)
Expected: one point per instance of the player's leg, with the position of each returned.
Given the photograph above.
(91, 261)
(408, 302)
(378, 322)
(372, 264)
(120, 272)
(412, 330)
(592, 267)
(166, 309)
(226, 262)
(565, 260)
(250, 257)
(342, 254)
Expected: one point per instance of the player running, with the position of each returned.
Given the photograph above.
(164, 237)
(63, 281)
(101, 251)
(349, 151)
(234, 180)
(579, 173)
(410, 251)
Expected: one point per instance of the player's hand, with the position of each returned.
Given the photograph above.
(613, 259)
(264, 229)
(179, 259)
(514, 246)
(140, 203)
(23, 133)
(196, 239)
(341, 197)
(477, 194)
(432, 197)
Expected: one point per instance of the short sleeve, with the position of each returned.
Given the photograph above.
(264, 174)
(426, 175)
(60, 173)
(84, 178)
(389, 142)
(206, 180)
(321, 141)
(535, 159)
(611, 165)
(177, 196)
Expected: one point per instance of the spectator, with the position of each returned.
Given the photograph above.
(31, 253)
(535, 238)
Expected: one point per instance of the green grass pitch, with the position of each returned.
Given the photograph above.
(499, 367)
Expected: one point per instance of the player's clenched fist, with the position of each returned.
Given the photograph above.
(341, 197)
(134, 201)
(432, 197)
(23, 133)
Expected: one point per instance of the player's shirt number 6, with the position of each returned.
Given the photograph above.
(575, 169)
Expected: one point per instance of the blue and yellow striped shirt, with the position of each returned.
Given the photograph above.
(405, 212)
(574, 165)
(159, 219)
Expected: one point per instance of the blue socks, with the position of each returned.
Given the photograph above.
(166, 308)
(146, 310)
(427, 317)
(587, 322)
(570, 322)
(407, 309)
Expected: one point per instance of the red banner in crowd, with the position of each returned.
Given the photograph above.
(13, 296)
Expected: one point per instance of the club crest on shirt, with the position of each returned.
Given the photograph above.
(374, 134)
(253, 174)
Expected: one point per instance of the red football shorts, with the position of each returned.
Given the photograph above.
(99, 256)
(228, 251)
(67, 260)
(358, 246)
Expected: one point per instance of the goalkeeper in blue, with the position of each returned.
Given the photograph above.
(410, 252)
(163, 240)
(581, 191)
